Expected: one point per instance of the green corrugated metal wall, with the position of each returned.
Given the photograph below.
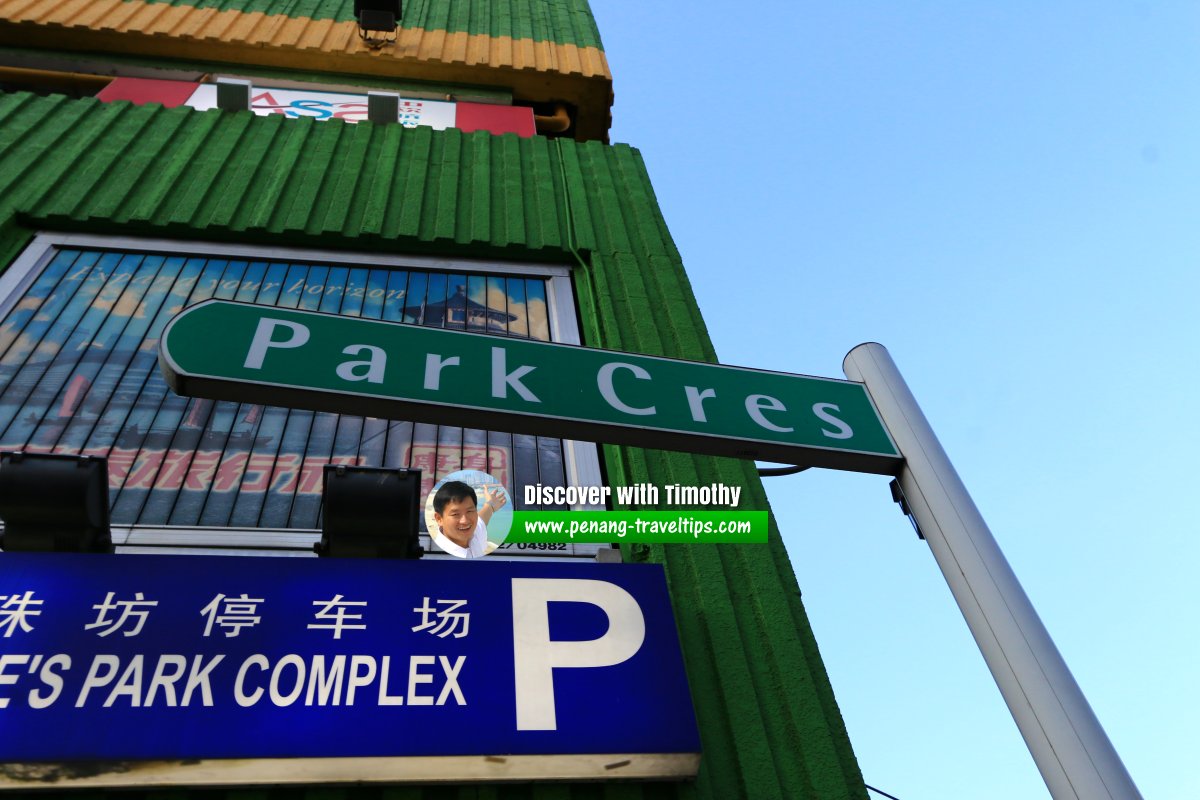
(769, 723)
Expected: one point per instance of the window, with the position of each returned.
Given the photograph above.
(79, 325)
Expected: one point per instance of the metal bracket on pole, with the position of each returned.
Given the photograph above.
(898, 499)
(1068, 744)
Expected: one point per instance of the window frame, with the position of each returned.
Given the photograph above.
(581, 460)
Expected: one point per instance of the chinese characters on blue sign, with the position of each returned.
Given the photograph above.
(166, 657)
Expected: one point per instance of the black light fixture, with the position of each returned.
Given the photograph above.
(377, 19)
(54, 503)
(383, 108)
(234, 94)
(370, 512)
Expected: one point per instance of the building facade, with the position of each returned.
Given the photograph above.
(493, 203)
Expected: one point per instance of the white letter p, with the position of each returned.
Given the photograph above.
(537, 657)
(262, 340)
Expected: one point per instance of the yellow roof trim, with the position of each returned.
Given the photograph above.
(533, 71)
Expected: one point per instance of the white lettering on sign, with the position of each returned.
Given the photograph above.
(386, 699)
(370, 370)
(502, 379)
(167, 673)
(536, 655)
(133, 612)
(450, 671)
(359, 679)
(231, 614)
(757, 403)
(433, 369)
(278, 697)
(104, 669)
(15, 611)
(264, 340)
(326, 686)
(338, 681)
(416, 678)
(537, 494)
(696, 398)
(442, 623)
(198, 677)
(52, 679)
(47, 675)
(6, 680)
(175, 680)
(239, 692)
(843, 431)
(604, 380)
(129, 685)
(336, 610)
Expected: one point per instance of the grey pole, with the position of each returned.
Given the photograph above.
(1071, 750)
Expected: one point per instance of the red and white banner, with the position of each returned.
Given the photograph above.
(297, 103)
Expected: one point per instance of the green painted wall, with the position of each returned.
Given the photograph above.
(769, 723)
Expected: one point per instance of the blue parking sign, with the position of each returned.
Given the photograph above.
(170, 658)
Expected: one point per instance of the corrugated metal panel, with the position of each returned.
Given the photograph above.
(150, 169)
(429, 29)
(316, 9)
(561, 21)
(769, 723)
(763, 696)
(542, 51)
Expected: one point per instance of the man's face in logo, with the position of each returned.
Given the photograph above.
(457, 520)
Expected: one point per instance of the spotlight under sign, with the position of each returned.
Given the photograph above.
(215, 671)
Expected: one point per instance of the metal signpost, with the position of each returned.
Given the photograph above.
(213, 670)
(1069, 745)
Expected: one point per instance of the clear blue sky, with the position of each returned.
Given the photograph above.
(1006, 195)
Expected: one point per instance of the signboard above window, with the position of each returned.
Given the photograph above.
(296, 104)
(322, 105)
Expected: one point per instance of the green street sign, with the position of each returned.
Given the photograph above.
(303, 359)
